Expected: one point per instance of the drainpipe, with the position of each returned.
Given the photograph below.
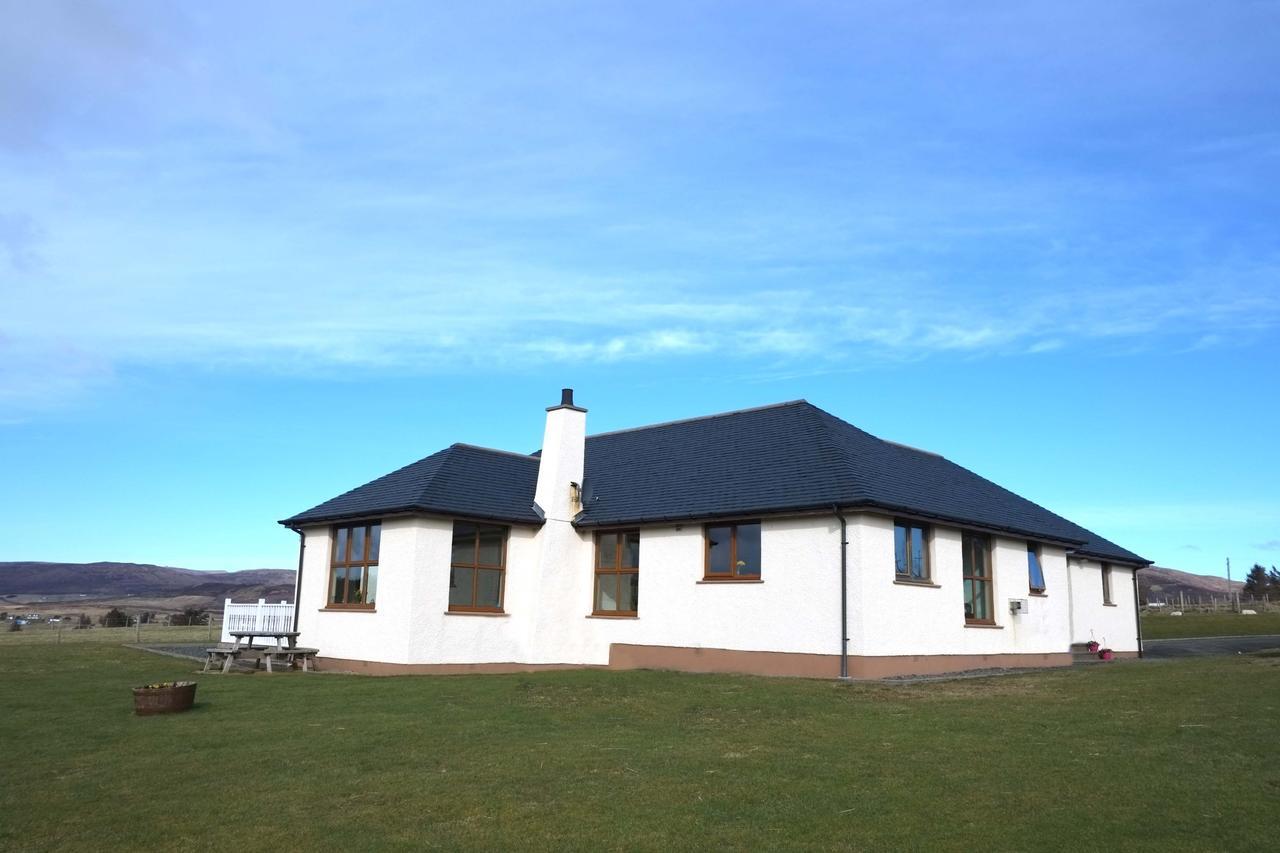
(1137, 612)
(297, 583)
(844, 593)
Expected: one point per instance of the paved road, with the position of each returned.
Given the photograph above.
(1199, 646)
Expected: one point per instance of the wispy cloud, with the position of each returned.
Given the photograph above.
(1269, 545)
(20, 238)
(607, 188)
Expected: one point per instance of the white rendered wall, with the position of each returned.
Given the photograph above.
(795, 607)
(1115, 626)
(381, 634)
(548, 598)
(909, 619)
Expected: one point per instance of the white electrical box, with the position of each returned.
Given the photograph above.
(1018, 606)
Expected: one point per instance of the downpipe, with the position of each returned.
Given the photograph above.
(844, 593)
(1137, 612)
(297, 583)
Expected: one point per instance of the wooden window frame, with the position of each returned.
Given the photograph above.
(1035, 550)
(731, 576)
(987, 581)
(616, 572)
(1106, 586)
(347, 562)
(476, 566)
(926, 578)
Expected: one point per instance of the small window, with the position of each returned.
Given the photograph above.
(976, 555)
(910, 552)
(477, 570)
(1106, 584)
(733, 551)
(617, 589)
(353, 562)
(1035, 572)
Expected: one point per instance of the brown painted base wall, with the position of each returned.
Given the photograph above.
(622, 656)
(368, 667)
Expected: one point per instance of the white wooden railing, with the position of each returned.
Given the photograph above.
(255, 617)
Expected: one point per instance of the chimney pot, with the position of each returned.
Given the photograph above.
(566, 396)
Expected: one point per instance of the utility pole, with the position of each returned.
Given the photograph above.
(1229, 583)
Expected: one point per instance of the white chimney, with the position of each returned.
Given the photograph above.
(560, 471)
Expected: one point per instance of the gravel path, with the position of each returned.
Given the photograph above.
(1200, 646)
(184, 651)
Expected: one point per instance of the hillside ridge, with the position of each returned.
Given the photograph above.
(106, 578)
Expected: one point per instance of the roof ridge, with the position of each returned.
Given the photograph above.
(514, 453)
(705, 417)
(833, 450)
(910, 447)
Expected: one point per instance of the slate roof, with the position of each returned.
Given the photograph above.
(787, 457)
(460, 480)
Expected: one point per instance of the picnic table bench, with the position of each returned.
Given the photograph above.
(226, 655)
(220, 654)
(291, 656)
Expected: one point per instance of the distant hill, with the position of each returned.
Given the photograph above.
(1157, 583)
(142, 580)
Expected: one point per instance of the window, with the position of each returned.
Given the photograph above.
(1106, 584)
(477, 567)
(1035, 572)
(353, 562)
(977, 579)
(910, 556)
(617, 573)
(733, 551)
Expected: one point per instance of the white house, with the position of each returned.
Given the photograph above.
(778, 540)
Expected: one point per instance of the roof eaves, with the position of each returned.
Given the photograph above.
(295, 522)
(1102, 556)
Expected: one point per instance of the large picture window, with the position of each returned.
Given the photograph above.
(1035, 571)
(617, 589)
(977, 579)
(733, 551)
(910, 552)
(353, 561)
(477, 570)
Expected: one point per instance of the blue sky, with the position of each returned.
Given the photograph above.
(252, 255)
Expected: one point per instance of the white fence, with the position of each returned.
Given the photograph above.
(255, 617)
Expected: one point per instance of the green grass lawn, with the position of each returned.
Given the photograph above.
(1132, 755)
(1157, 626)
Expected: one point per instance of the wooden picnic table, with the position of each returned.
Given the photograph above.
(244, 639)
(225, 655)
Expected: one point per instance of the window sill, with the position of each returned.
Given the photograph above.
(1109, 604)
(612, 616)
(924, 584)
(489, 613)
(332, 609)
(1038, 594)
(730, 580)
(984, 625)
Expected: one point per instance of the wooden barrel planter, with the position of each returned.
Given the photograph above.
(167, 697)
